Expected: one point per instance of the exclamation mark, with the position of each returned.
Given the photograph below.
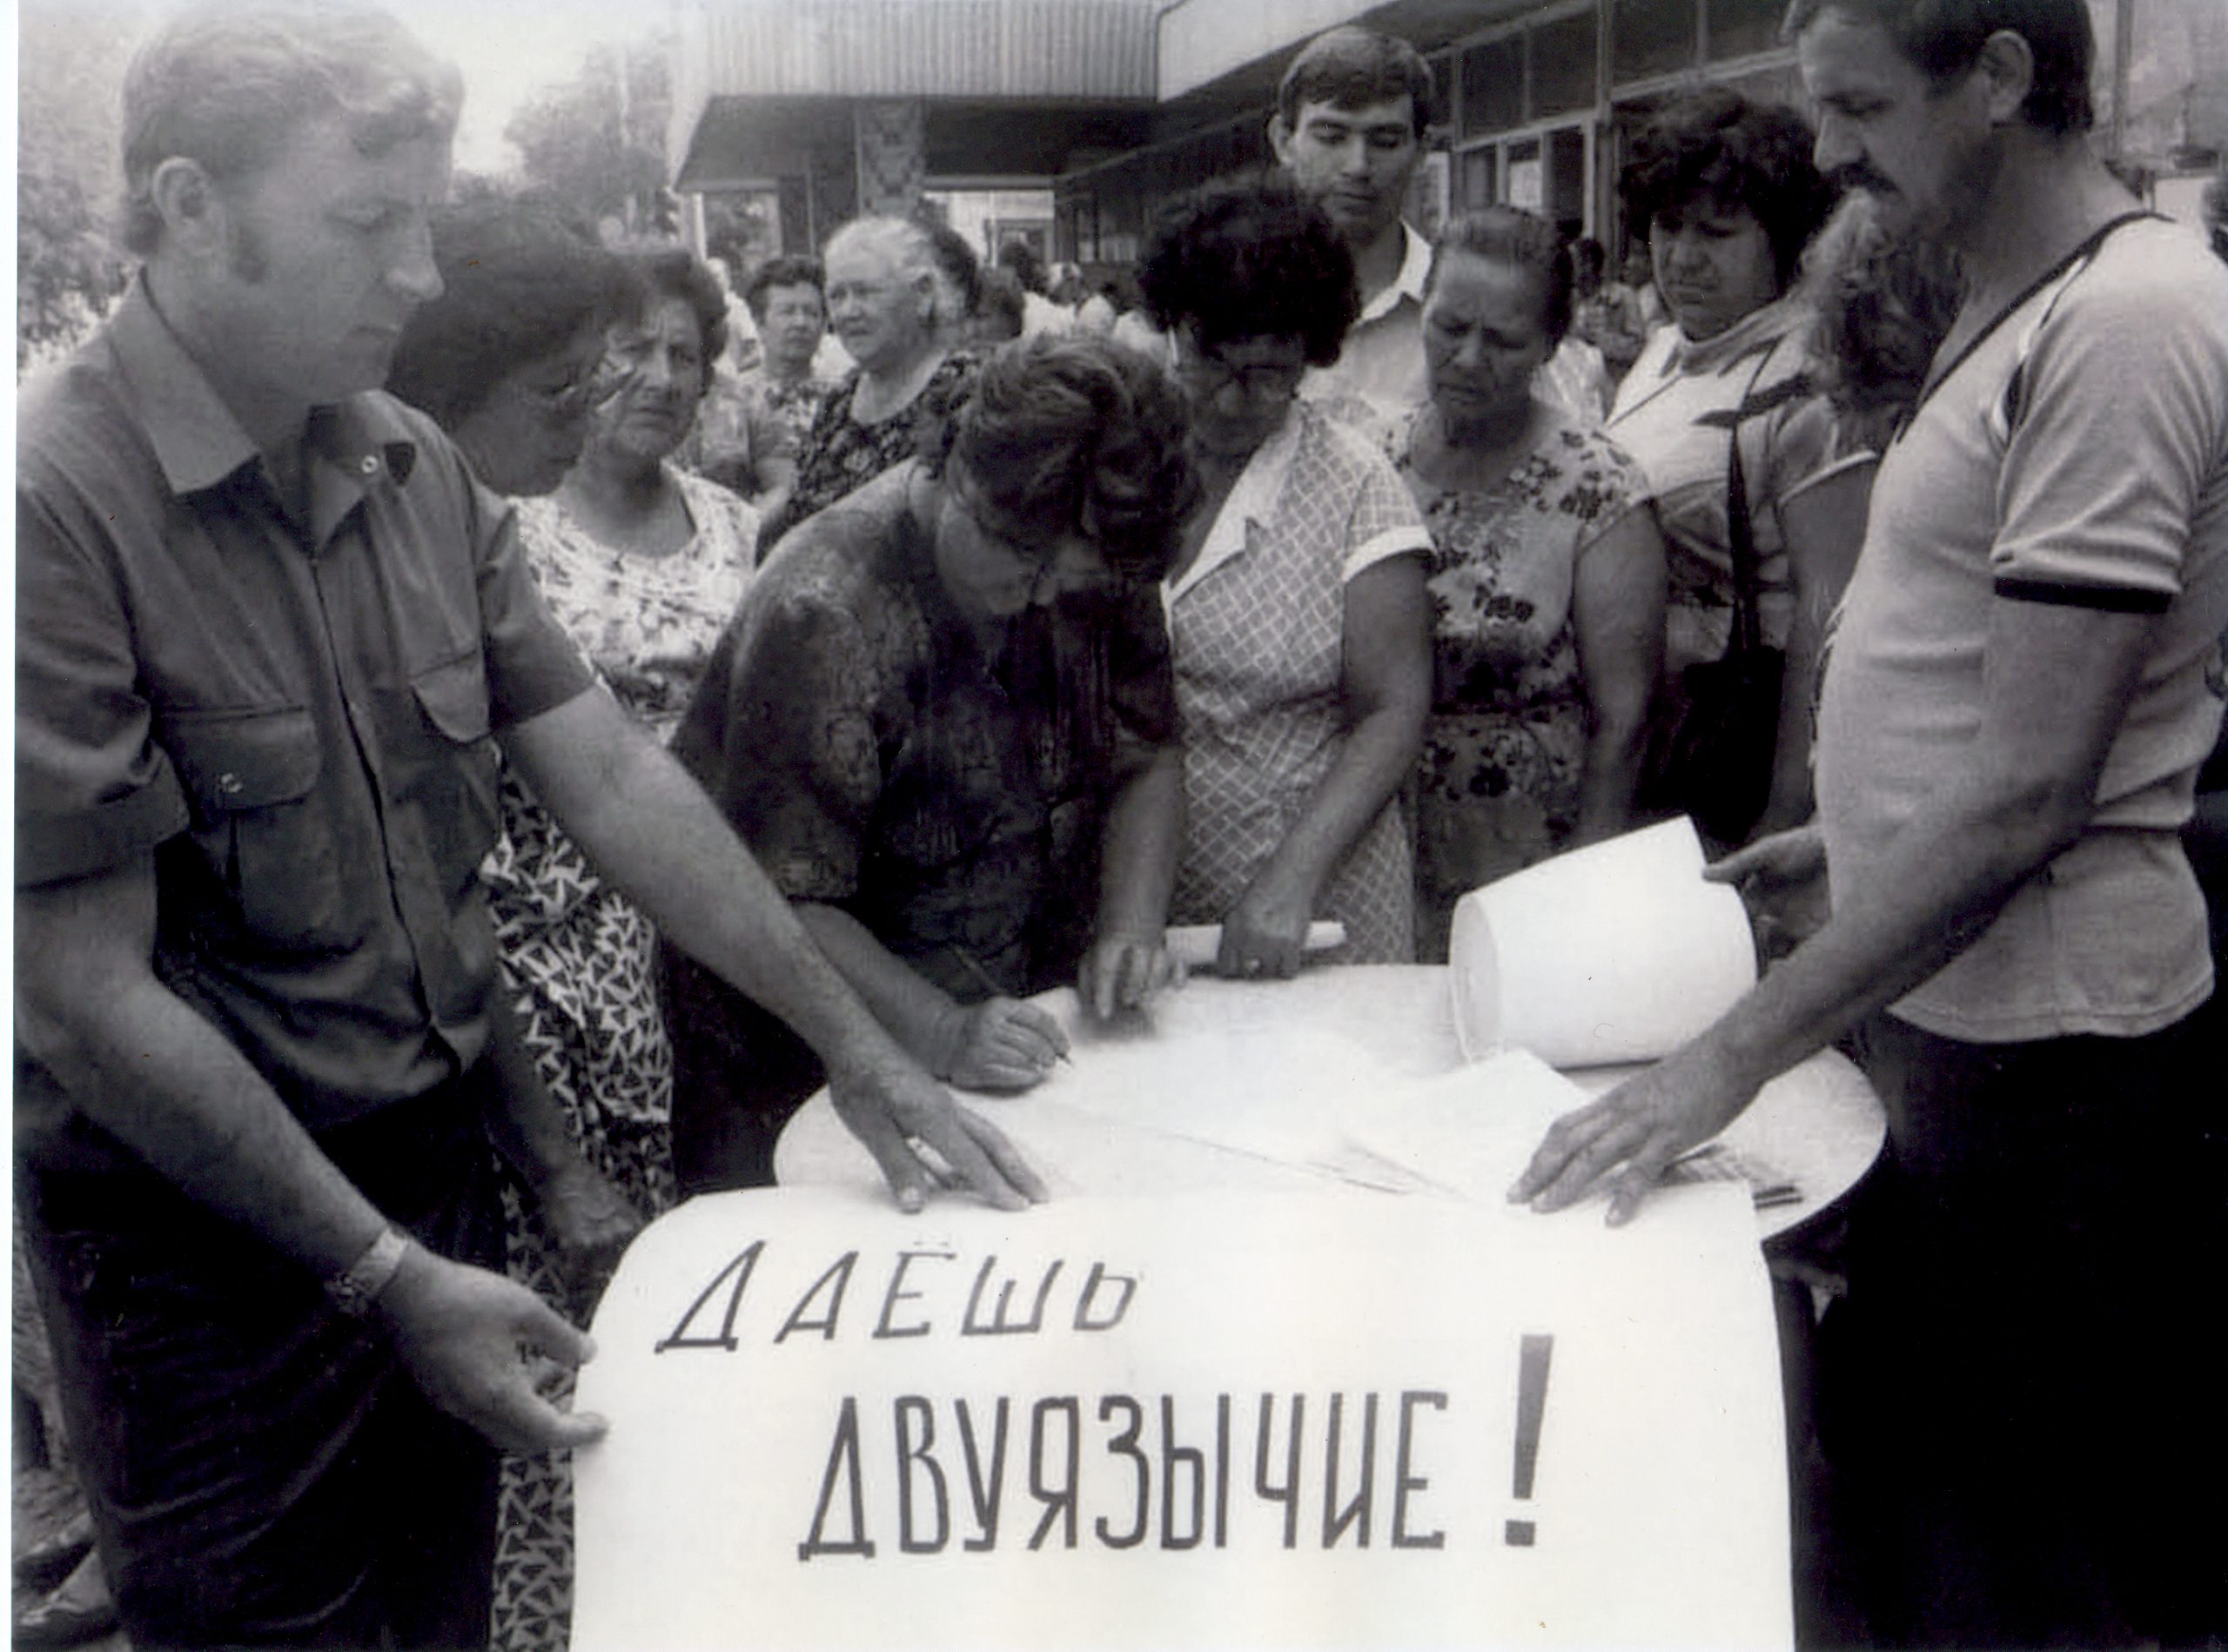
(1531, 1408)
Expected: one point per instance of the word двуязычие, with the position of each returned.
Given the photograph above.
(1194, 1482)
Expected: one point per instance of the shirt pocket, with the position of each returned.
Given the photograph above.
(447, 768)
(252, 778)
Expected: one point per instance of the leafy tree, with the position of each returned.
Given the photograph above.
(596, 144)
(70, 60)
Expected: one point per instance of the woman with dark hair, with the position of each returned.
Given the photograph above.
(1297, 604)
(1728, 196)
(503, 359)
(753, 422)
(944, 720)
(892, 303)
(641, 562)
(1546, 578)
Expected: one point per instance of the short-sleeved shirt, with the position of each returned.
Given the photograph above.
(1675, 414)
(1381, 362)
(2079, 455)
(875, 757)
(1259, 623)
(295, 718)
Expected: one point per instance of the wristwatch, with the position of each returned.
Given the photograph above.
(358, 1285)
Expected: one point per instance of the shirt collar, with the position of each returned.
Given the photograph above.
(1415, 268)
(1761, 329)
(199, 443)
(1252, 496)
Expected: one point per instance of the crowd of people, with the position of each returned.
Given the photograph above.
(483, 760)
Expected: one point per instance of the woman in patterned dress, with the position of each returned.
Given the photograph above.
(1296, 605)
(944, 723)
(894, 308)
(642, 563)
(1547, 579)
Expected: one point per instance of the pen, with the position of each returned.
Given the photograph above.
(982, 975)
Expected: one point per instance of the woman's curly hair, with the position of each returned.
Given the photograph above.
(1717, 146)
(1251, 259)
(1067, 434)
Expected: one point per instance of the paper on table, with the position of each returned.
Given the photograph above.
(1279, 1095)
(1469, 1133)
(1620, 952)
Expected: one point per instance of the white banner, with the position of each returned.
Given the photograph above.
(1336, 1421)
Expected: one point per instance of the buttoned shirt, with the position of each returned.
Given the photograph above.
(294, 715)
(1382, 361)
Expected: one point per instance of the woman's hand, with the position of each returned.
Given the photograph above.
(592, 1224)
(1122, 971)
(1000, 1044)
(1265, 933)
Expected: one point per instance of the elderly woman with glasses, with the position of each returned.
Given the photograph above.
(943, 720)
(1297, 605)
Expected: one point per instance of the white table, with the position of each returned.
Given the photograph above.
(1820, 1125)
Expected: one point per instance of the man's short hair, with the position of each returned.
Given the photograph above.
(1943, 39)
(1351, 67)
(790, 270)
(226, 84)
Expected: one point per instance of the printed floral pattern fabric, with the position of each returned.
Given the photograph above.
(577, 958)
(840, 454)
(748, 418)
(1258, 625)
(1503, 753)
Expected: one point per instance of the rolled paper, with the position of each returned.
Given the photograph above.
(1194, 945)
(1616, 952)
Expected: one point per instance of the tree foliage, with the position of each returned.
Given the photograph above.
(70, 60)
(596, 144)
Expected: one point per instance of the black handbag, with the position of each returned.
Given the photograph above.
(1716, 746)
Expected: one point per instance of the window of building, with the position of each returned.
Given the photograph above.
(1492, 85)
(1562, 66)
(1652, 37)
(1741, 28)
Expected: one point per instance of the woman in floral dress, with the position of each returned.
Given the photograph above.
(893, 308)
(1545, 581)
(642, 563)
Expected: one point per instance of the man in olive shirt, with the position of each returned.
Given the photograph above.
(269, 631)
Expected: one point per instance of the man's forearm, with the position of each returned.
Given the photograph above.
(1946, 875)
(160, 1079)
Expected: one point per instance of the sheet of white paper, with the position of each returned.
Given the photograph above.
(1242, 1423)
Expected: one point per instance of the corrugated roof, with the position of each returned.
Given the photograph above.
(950, 49)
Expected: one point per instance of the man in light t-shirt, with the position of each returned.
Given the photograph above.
(2025, 676)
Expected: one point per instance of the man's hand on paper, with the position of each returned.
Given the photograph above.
(891, 1108)
(1628, 1138)
(1783, 883)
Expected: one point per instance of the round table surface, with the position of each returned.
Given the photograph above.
(1818, 1127)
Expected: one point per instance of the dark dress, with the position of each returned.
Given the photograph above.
(875, 757)
(840, 454)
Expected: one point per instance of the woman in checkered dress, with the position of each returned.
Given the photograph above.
(1297, 608)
